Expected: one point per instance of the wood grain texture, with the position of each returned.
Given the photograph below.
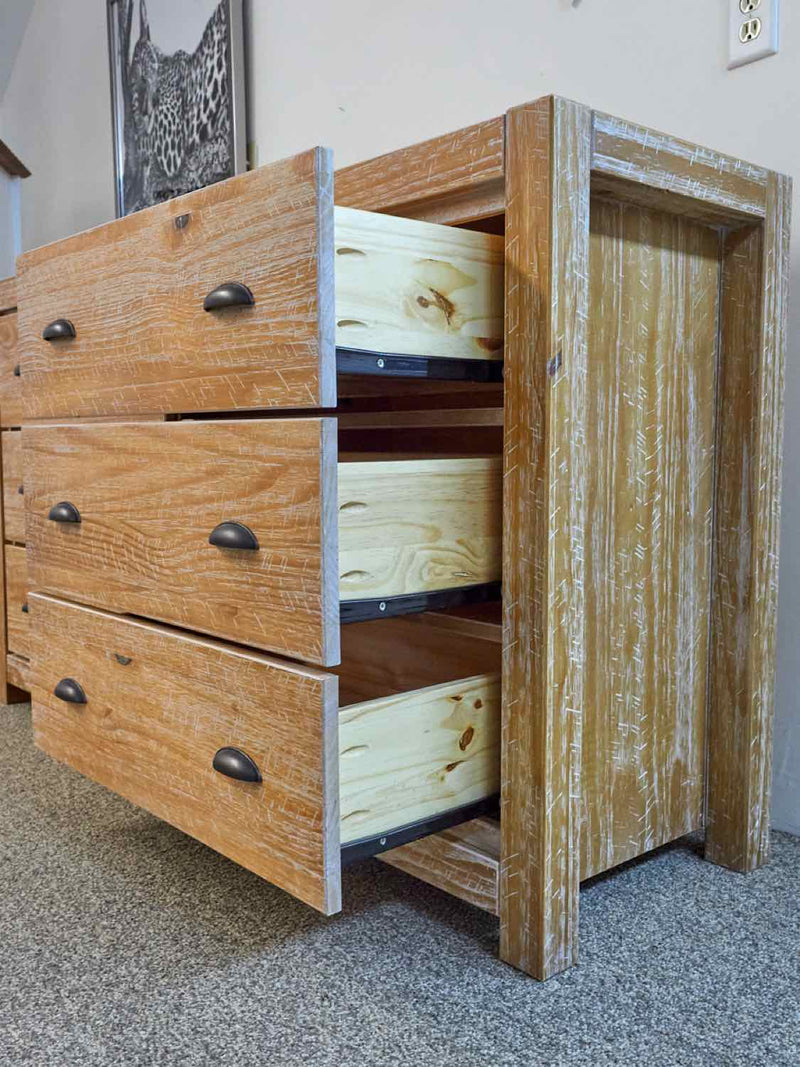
(387, 656)
(150, 494)
(18, 679)
(17, 588)
(161, 703)
(10, 383)
(8, 294)
(411, 287)
(731, 187)
(409, 756)
(650, 387)
(134, 290)
(741, 694)
(547, 259)
(453, 178)
(463, 861)
(13, 500)
(416, 525)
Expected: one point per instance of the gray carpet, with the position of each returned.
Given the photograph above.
(125, 942)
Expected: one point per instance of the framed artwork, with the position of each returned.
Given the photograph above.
(177, 96)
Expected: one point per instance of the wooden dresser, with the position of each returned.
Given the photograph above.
(280, 457)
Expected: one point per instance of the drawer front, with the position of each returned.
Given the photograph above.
(134, 291)
(13, 499)
(17, 586)
(149, 496)
(10, 375)
(161, 704)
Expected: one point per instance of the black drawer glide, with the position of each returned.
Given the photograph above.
(373, 846)
(392, 365)
(411, 603)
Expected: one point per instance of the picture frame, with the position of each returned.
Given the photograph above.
(178, 113)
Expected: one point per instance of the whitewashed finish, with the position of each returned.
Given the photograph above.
(149, 495)
(134, 290)
(453, 178)
(755, 284)
(654, 282)
(161, 702)
(547, 245)
(624, 150)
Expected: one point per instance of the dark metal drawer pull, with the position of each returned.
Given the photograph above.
(233, 535)
(25, 608)
(58, 330)
(69, 691)
(228, 295)
(64, 512)
(17, 371)
(21, 490)
(234, 763)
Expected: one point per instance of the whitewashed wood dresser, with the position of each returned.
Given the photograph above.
(281, 459)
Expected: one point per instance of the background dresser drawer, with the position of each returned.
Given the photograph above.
(149, 496)
(124, 304)
(17, 586)
(13, 499)
(10, 375)
(146, 711)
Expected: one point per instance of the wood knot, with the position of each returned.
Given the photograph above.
(466, 738)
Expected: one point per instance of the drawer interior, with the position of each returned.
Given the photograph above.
(419, 728)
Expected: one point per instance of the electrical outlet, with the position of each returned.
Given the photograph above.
(753, 30)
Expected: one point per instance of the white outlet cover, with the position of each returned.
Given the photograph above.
(768, 39)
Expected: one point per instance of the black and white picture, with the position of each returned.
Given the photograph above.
(177, 86)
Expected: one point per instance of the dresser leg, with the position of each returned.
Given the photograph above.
(744, 609)
(547, 250)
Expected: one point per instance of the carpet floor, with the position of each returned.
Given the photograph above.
(126, 942)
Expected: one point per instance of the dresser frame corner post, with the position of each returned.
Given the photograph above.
(755, 275)
(548, 149)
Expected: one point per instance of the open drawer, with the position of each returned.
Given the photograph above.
(237, 297)
(249, 529)
(253, 756)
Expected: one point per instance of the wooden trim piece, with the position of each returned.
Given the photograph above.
(11, 163)
(8, 294)
(454, 178)
(744, 611)
(547, 257)
(636, 154)
(464, 861)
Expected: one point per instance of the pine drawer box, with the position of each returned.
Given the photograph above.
(230, 527)
(223, 300)
(253, 756)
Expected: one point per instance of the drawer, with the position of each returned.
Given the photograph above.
(149, 496)
(17, 586)
(133, 294)
(10, 377)
(13, 500)
(160, 705)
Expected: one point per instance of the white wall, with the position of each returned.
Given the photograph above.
(364, 76)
